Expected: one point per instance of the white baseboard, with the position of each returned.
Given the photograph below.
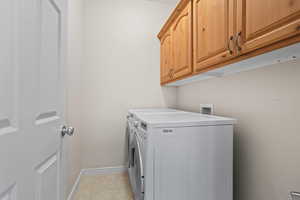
(92, 172)
(75, 186)
(106, 170)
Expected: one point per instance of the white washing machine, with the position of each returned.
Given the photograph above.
(133, 121)
(182, 156)
(132, 125)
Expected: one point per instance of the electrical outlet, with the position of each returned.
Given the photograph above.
(207, 109)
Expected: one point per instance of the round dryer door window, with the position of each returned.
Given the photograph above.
(138, 169)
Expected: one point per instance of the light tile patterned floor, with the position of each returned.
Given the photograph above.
(104, 187)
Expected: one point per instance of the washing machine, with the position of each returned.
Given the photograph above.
(182, 155)
(133, 123)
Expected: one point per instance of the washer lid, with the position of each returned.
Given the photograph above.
(177, 119)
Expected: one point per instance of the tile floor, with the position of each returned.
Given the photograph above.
(104, 187)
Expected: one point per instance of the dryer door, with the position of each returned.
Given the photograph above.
(138, 169)
(128, 144)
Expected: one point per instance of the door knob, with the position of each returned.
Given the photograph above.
(67, 131)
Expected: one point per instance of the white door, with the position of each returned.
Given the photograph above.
(32, 56)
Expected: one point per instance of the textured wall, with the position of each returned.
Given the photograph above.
(121, 71)
(266, 103)
(73, 92)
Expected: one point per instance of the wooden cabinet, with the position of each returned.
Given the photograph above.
(182, 42)
(176, 44)
(213, 32)
(203, 35)
(166, 60)
(265, 22)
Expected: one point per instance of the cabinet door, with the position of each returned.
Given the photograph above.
(213, 32)
(264, 22)
(166, 57)
(182, 43)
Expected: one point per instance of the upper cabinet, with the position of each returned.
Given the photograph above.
(213, 32)
(176, 44)
(182, 42)
(166, 61)
(264, 22)
(202, 35)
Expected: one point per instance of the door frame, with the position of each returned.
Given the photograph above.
(63, 63)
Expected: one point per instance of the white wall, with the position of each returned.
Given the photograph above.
(121, 71)
(73, 92)
(266, 104)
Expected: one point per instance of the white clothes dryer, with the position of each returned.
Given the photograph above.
(182, 155)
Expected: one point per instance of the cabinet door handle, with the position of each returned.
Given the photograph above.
(170, 73)
(229, 45)
(237, 41)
